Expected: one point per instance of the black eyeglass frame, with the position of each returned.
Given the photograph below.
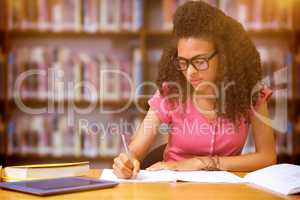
(190, 61)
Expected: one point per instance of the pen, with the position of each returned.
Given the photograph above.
(126, 147)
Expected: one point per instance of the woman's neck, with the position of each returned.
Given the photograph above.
(205, 103)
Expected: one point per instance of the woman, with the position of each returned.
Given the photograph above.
(207, 94)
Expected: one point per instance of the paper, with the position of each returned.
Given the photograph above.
(281, 178)
(169, 176)
(143, 176)
(209, 177)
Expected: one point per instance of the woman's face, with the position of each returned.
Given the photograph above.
(198, 49)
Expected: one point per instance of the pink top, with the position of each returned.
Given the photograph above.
(192, 134)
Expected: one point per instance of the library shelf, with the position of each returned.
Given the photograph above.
(67, 34)
(36, 102)
(265, 33)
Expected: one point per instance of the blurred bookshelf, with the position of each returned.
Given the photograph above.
(80, 37)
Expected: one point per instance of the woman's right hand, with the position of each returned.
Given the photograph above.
(124, 167)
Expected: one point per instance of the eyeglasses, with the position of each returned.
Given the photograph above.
(199, 62)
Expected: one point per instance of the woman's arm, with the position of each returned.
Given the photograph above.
(265, 154)
(145, 135)
(143, 138)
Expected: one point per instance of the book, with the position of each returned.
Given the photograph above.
(110, 15)
(2, 63)
(90, 15)
(137, 14)
(45, 171)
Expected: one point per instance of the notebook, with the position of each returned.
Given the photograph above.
(281, 178)
(169, 176)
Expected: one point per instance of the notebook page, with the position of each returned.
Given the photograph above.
(143, 176)
(281, 178)
(209, 177)
(169, 176)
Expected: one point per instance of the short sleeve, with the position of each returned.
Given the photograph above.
(263, 96)
(161, 105)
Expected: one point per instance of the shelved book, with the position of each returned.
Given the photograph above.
(45, 171)
(2, 62)
(297, 71)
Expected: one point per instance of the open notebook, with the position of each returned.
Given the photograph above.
(169, 176)
(281, 178)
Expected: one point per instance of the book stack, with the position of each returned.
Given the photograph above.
(59, 135)
(258, 14)
(60, 73)
(66, 15)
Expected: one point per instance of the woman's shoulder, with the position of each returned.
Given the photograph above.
(264, 94)
(161, 103)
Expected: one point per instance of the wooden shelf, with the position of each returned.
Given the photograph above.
(34, 102)
(68, 34)
(270, 33)
(281, 33)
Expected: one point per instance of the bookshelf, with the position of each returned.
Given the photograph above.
(154, 33)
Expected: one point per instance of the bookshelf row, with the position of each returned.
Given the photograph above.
(75, 15)
(59, 135)
(127, 15)
(61, 74)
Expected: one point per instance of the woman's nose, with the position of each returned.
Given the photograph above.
(191, 70)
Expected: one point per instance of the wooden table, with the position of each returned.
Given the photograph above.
(179, 190)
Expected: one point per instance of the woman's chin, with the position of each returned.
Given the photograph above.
(200, 89)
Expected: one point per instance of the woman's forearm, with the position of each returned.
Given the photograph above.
(247, 162)
(242, 163)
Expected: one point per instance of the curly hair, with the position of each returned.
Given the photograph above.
(239, 60)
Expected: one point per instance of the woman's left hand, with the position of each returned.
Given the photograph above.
(191, 164)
